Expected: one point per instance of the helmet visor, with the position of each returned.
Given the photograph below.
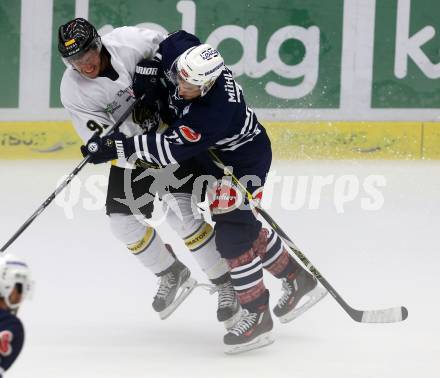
(173, 72)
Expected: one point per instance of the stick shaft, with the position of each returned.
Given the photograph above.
(66, 182)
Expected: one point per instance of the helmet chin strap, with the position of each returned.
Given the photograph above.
(13, 307)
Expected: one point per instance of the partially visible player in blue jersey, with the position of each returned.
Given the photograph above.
(210, 112)
(15, 285)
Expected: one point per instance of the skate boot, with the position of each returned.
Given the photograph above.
(175, 285)
(228, 310)
(252, 331)
(299, 294)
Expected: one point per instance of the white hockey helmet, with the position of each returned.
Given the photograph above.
(200, 65)
(14, 272)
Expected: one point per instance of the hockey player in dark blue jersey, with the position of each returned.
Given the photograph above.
(210, 113)
(15, 285)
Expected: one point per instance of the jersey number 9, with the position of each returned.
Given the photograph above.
(96, 127)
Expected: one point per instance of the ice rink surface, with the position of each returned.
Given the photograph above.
(91, 314)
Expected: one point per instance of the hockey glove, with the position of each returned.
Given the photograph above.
(116, 146)
(104, 149)
(146, 80)
(147, 117)
(142, 113)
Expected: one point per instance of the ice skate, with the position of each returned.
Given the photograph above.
(175, 285)
(252, 331)
(229, 309)
(298, 296)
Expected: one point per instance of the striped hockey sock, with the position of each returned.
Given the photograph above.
(247, 279)
(274, 256)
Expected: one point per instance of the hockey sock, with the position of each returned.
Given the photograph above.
(151, 251)
(198, 236)
(247, 279)
(142, 241)
(201, 243)
(274, 256)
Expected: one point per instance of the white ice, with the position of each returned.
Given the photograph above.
(91, 314)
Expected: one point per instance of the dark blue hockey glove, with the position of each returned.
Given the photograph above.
(146, 81)
(104, 149)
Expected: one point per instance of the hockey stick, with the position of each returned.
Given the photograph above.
(389, 315)
(67, 181)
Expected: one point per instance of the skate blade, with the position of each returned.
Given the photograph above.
(315, 296)
(185, 290)
(229, 323)
(260, 342)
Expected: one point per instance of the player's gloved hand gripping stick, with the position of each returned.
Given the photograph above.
(67, 181)
(389, 315)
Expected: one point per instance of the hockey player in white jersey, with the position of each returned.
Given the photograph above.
(96, 91)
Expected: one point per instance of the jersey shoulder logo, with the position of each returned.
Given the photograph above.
(189, 134)
(5, 343)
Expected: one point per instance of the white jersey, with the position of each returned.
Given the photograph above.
(95, 104)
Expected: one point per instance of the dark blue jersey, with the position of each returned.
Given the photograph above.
(11, 339)
(220, 120)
